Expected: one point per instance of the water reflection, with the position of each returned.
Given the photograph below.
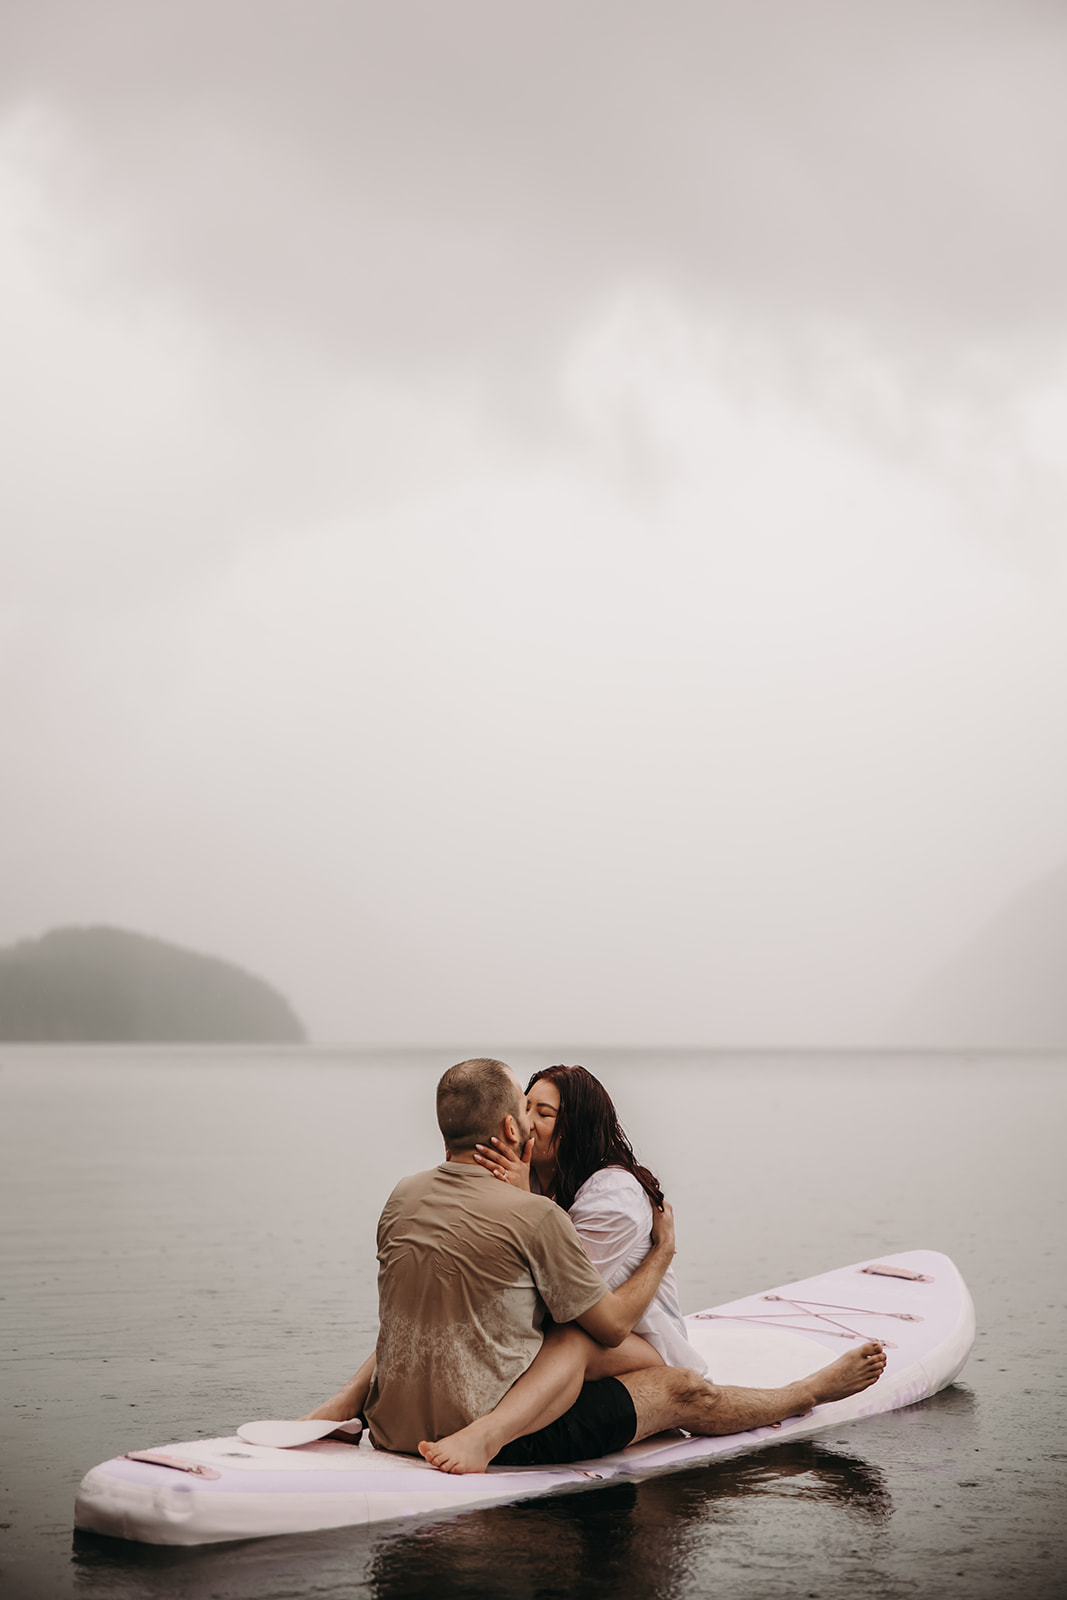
(628, 1540)
(624, 1540)
(957, 1402)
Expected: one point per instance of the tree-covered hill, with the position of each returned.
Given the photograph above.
(83, 984)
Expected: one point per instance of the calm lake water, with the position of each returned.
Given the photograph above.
(188, 1243)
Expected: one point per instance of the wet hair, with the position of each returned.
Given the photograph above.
(473, 1098)
(589, 1135)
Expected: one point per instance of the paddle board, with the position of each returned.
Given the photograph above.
(205, 1491)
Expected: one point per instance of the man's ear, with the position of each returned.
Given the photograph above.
(511, 1130)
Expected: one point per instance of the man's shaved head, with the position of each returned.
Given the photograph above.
(473, 1098)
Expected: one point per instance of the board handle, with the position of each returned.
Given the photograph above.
(158, 1458)
(880, 1270)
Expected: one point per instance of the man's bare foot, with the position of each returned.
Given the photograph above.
(464, 1451)
(853, 1372)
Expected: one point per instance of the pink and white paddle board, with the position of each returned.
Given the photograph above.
(205, 1491)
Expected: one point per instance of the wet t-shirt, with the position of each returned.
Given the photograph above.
(467, 1266)
(612, 1215)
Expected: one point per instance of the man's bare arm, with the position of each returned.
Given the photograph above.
(614, 1315)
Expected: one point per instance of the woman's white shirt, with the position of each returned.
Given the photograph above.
(613, 1216)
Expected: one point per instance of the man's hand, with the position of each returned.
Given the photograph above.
(663, 1227)
(509, 1166)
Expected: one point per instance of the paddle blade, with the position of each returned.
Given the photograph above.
(285, 1435)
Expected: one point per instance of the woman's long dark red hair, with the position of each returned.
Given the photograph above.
(588, 1135)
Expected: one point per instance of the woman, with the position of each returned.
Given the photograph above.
(581, 1158)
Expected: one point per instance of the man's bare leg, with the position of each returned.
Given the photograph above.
(676, 1398)
(549, 1387)
(347, 1402)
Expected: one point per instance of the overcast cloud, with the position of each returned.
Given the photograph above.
(536, 523)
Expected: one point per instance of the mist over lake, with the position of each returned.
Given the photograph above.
(543, 524)
(189, 1243)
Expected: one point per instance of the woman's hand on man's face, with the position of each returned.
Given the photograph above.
(507, 1165)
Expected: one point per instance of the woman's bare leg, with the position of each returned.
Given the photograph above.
(633, 1355)
(549, 1387)
(347, 1402)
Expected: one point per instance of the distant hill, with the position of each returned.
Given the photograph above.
(1008, 987)
(83, 984)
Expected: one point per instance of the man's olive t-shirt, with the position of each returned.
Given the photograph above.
(467, 1266)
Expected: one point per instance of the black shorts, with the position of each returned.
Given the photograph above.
(601, 1420)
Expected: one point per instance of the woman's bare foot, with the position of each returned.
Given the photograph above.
(853, 1372)
(467, 1450)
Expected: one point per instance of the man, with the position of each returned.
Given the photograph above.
(468, 1267)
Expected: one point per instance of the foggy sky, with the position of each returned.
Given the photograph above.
(536, 523)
